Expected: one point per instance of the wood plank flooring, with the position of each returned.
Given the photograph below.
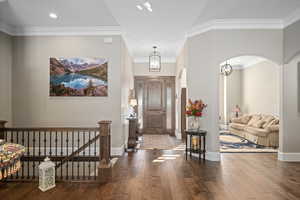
(143, 176)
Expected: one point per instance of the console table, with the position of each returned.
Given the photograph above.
(199, 146)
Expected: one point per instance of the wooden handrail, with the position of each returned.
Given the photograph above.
(64, 145)
(52, 129)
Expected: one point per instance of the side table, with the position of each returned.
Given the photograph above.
(200, 147)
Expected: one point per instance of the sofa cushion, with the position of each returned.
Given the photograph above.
(245, 119)
(257, 131)
(258, 124)
(237, 126)
(241, 120)
(273, 122)
(267, 119)
(254, 119)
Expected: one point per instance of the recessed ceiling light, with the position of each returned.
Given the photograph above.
(53, 15)
(139, 7)
(147, 5)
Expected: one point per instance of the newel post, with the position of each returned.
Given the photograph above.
(2, 126)
(105, 166)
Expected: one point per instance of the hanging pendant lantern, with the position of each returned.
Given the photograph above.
(155, 61)
(226, 69)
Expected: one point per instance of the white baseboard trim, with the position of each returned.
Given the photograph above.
(211, 156)
(289, 157)
(178, 134)
(118, 151)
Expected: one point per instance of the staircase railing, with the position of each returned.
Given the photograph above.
(79, 153)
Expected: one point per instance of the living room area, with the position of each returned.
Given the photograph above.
(249, 105)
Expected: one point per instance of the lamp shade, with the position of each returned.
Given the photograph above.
(133, 102)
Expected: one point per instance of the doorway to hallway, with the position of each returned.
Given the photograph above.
(156, 111)
(156, 104)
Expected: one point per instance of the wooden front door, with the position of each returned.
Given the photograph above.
(156, 100)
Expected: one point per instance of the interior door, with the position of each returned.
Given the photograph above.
(156, 104)
(155, 114)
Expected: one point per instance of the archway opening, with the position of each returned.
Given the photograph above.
(249, 105)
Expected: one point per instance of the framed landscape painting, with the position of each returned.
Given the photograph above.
(78, 77)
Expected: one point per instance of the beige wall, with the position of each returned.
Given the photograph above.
(290, 140)
(142, 69)
(127, 83)
(260, 88)
(291, 115)
(5, 77)
(32, 105)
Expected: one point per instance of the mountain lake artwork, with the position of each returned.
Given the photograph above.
(78, 77)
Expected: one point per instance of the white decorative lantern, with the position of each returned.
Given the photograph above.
(46, 175)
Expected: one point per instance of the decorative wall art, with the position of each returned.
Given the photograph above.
(78, 77)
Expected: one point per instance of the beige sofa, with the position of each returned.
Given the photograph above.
(258, 128)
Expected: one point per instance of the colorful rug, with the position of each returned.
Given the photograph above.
(230, 143)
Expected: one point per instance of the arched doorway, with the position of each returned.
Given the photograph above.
(250, 105)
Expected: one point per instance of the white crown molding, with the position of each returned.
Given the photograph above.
(289, 157)
(146, 59)
(223, 24)
(60, 31)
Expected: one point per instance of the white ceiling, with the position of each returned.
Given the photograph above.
(247, 9)
(70, 12)
(165, 27)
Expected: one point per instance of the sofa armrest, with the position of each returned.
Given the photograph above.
(273, 128)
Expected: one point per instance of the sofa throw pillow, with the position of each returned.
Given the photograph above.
(254, 119)
(273, 122)
(245, 119)
(267, 119)
(258, 124)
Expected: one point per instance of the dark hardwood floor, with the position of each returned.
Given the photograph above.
(141, 176)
